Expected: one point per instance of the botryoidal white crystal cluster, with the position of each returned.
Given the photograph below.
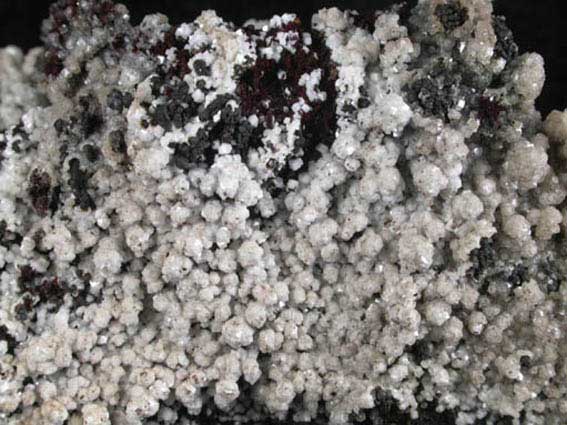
(280, 221)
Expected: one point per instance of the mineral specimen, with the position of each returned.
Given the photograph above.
(354, 218)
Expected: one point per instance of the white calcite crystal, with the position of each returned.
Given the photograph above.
(361, 217)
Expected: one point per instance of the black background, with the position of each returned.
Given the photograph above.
(538, 25)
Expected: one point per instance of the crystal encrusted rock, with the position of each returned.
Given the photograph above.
(361, 217)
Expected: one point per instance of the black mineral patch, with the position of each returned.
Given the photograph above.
(78, 181)
(63, 151)
(445, 84)
(496, 420)
(208, 112)
(483, 258)
(36, 290)
(197, 149)
(159, 116)
(10, 340)
(201, 68)
(420, 351)
(82, 296)
(92, 153)
(452, 15)
(387, 412)
(525, 362)
(223, 122)
(55, 199)
(39, 188)
(117, 142)
(363, 102)
(505, 46)
(90, 118)
(518, 275)
(7, 237)
(156, 83)
(61, 126)
(177, 108)
(232, 129)
(115, 100)
(3, 146)
(433, 97)
(552, 274)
